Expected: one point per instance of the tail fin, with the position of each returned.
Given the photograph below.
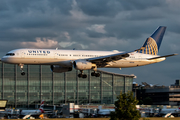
(42, 107)
(152, 44)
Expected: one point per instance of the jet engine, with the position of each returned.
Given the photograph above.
(60, 69)
(83, 65)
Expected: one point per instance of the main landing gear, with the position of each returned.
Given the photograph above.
(81, 75)
(21, 68)
(95, 74)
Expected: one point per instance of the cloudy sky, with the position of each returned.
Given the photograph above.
(120, 25)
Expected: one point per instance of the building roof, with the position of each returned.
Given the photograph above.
(132, 75)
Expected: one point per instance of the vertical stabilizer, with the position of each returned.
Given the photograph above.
(153, 43)
(42, 106)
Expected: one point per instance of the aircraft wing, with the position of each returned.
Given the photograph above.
(103, 60)
(162, 56)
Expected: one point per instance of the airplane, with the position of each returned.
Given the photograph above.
(34, 113)
(171, 111)
(64, 60)
(104, 112)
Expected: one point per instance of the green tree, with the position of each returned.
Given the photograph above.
(125, 108)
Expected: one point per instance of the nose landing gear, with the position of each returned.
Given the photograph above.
(82, 75)
(23, 73)
(21, 68)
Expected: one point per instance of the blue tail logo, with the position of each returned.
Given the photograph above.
(152, 44)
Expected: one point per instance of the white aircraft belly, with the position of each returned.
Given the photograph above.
(129, 63)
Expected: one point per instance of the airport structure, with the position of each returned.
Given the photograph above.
(40, 83)
(160, 95)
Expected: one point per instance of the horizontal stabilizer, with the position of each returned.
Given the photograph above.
(162, 56)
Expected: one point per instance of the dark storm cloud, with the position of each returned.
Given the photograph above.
(140, 4)
(63, 6)
(94, 25)
(99, 7)
(113, 7)
(25, 20)
(3, 6)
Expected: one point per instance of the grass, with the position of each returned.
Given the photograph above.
(159, 118)
(152, 118)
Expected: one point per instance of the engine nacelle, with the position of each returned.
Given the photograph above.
(83, 65)
(60, 69)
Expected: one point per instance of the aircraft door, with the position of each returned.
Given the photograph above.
(23, 54)
(56, 55)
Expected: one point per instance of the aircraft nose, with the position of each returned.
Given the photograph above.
(3, 59)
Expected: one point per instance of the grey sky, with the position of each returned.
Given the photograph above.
(95, 25)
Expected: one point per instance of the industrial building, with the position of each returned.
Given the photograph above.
(160, 95)
(40, 83)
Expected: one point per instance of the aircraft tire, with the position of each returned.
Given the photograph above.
(80, 75)
(93, 74)
(23, 73)
(84, 76)
(97, 75)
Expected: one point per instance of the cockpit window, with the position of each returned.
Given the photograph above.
(10, 54)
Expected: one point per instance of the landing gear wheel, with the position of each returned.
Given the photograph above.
(80, 75)
(97, 75)
(23, 73)
(84, 76)
(93, 74)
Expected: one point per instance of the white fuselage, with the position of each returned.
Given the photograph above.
(31, 112)
(105, 112)
(66, 57)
